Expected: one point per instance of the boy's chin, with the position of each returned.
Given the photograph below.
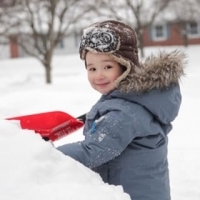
(105, 92)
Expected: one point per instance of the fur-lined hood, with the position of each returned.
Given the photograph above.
(154, 85)
(156, 72)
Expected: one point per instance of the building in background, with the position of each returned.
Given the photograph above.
(172, 33)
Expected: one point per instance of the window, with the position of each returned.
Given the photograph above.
(159, 32)
(193, 29)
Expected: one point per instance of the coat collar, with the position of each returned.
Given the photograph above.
(156, 72)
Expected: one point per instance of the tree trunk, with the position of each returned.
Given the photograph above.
(48, 73)
(184, 33)
(47, 64)
(141, 45)
(185, 40)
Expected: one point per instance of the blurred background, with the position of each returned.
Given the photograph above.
(44, 28)
(40, 69)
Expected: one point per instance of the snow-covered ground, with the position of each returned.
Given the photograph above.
(33, 169)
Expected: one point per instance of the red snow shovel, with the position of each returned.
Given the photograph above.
(50, 125)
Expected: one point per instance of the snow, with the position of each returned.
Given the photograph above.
(33, 169)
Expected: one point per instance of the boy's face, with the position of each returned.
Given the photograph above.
(102, 72)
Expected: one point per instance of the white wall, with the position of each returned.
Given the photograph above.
(4, 51)
(68, 46)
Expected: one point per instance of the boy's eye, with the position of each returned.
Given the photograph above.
(108, 67)
(91, 69)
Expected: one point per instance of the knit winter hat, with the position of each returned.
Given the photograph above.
(114, 38)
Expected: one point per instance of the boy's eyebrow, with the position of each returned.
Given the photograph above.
(108, 60)
(88, 65)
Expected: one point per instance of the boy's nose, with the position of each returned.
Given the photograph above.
(100, 75)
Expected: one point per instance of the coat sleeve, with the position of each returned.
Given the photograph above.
(107, 139)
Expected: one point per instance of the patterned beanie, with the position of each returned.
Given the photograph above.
(114, 38)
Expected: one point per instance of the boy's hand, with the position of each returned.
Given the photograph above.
(61, 130)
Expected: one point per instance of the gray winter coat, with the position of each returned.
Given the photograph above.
(126, 135)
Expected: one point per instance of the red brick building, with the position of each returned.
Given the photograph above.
(14, 47)
(172, 33)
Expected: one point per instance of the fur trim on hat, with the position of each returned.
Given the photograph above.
(156, 72)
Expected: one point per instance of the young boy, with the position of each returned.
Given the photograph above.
(126, 130)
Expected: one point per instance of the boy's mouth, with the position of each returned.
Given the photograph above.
(102, 84)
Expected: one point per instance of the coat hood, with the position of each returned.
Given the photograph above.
(156, 72)
(155, 85)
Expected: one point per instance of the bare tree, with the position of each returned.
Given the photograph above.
(139, 14)
(42, 24)
(7, 3)
(4, 5)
